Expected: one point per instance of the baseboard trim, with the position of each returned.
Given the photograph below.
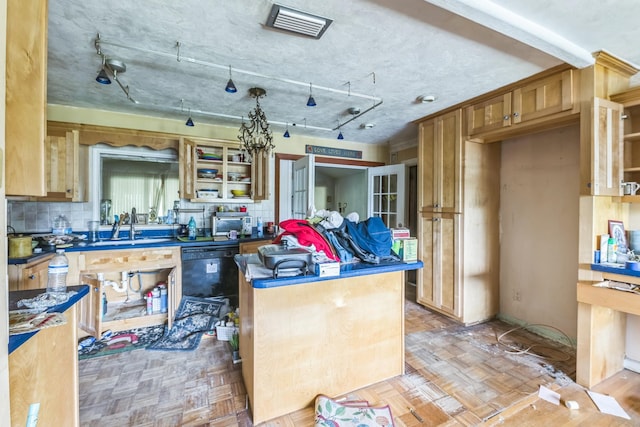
(549, 333)
(632, 365)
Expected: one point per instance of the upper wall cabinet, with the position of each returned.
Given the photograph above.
(66, 168)
(218, 171)
(440, 158)
(540, 98)
(26, 97)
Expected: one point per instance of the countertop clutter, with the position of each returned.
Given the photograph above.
(140, 242)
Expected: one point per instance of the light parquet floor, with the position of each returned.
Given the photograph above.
(455, 376)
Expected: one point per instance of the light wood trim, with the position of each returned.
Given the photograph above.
(45, 370)
(609, 61)
(117, 137)
(629, 97)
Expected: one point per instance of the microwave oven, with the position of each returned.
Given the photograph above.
(223, 224)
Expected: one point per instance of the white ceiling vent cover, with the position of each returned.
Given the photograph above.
(285, 18)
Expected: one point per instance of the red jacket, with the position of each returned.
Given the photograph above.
(307, 236)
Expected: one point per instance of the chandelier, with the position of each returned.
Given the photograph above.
(256, 136)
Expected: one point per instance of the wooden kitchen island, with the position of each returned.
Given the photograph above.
(306, 335)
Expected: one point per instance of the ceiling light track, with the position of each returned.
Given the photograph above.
(180, 58)
(226, 116)
(358, 115)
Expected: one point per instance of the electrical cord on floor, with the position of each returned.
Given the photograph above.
(528, 350)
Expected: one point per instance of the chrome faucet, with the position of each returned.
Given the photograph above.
(134, 220)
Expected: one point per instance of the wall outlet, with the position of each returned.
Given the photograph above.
(517, 296)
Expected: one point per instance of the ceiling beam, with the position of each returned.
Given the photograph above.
(497, 18)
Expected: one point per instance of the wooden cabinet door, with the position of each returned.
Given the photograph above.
(252, 247)
(65, 168)
(187, 168)
(440, 158)
(492, 114)
(606, 148)
(90, 314)
(543, 97)
(439, 281)
(260, 176)
(26, 97)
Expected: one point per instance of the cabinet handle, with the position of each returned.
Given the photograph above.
(436, 219)
(436, 205)
(506, 117)
(516, 114)
(31, 277)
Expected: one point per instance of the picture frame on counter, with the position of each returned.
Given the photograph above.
(616, 230)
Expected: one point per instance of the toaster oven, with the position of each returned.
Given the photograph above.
(223, 222)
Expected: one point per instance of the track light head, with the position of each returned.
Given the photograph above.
(103, 78)
(231, 88)
(189, 122)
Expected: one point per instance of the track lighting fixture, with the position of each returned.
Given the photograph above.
(311, 102)
(189, 121)
(231, 88)
(102, 77)
(340, 136)
(286, 132)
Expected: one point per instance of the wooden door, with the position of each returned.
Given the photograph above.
(543, 97)
(492, 114)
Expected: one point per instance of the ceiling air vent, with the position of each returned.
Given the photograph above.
(287, 19)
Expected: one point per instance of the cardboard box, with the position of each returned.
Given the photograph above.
(400, 233)
(408, 249)
(327, 269)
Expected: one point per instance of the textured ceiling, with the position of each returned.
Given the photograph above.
(390, 51)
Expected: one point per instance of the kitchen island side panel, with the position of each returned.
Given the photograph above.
(326, 337)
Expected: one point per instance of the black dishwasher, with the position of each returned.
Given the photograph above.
(210, 271)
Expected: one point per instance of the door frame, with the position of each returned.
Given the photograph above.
(324, 161)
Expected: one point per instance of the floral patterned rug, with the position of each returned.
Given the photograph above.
(193, 317)
(131, 339)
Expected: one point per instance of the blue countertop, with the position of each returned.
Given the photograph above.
(346, 270)
(83, 246)
(615, 268)
(15, 341)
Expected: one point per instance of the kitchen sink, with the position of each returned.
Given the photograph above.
(127, 242)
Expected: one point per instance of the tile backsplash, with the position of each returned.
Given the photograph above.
(37, 217)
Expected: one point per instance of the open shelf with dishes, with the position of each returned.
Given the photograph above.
(216, 171)
(630, 101)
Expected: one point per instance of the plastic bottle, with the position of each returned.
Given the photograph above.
(149, 303)
(163, 298)
(169, 216)
(192, 229)
(260, 227)
(156, 299)
(611, 250)
(57, 273)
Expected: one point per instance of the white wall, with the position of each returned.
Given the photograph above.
(539, 207)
